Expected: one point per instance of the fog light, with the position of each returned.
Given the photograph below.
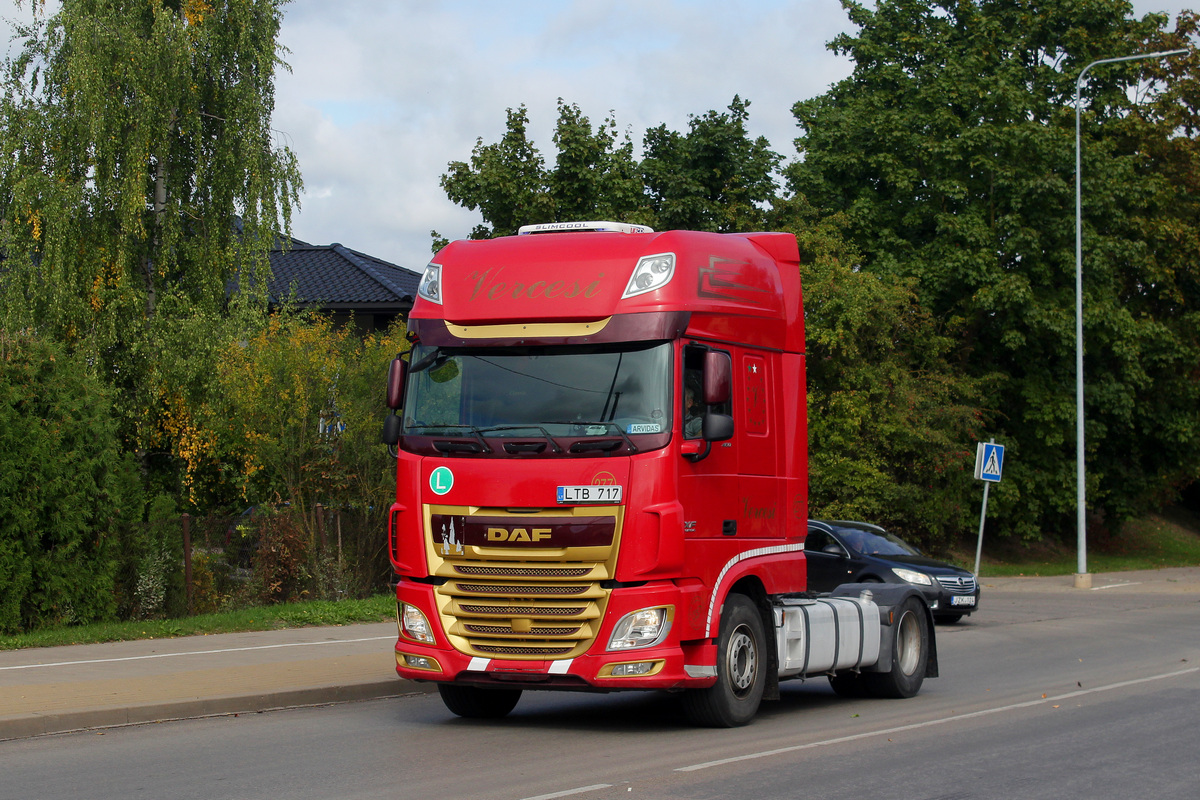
(640, 668)
(418, 662)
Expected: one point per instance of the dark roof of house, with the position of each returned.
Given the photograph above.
(336, 277)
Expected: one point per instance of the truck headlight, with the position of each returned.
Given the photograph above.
(414, 625)
(651, 272)
(643, 628)
(430, 286)
(912, 576)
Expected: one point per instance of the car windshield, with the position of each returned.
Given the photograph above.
(610, 390)
(869, 543)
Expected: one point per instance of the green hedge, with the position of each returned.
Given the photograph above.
(62, 480)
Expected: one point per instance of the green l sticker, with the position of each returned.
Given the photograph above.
(441, 480)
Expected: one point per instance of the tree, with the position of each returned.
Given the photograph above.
(890, 414)
(508, 182)
(713, 178)
(139, 170)
(949, 151)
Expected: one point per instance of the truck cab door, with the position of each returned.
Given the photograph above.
(708, 485)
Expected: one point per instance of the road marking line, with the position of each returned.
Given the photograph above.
(930, 723)
(1116, 585)
(196, 653)
(570, 792)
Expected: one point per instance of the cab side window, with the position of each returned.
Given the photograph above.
(692, 400)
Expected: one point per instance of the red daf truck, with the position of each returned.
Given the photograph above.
(601, 447)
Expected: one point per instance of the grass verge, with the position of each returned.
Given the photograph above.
(262, 618)
(1155, 542)
(1152, 543)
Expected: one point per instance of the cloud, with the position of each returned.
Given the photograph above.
(380, 100)
(384, 93)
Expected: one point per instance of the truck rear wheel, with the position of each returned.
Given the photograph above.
(910, 654)
(476, 703)
(734, 699)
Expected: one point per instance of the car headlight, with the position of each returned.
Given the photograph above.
(643, 628)
(912, 576)
(414, 625)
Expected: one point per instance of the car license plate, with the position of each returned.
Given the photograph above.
(584, 495)
(962, 600)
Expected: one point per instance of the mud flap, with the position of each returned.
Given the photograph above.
(887, 596)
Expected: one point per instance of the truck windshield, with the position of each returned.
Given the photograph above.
(600, 390)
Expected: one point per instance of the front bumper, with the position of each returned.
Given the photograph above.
(671, 664)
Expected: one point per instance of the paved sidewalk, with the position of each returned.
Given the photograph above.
(58, 689)
(1174, 580)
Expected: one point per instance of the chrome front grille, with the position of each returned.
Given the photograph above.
(957, 584)
(513, 611)
(506, 594)
(510, 590)
(506, 630)
(522, 572)
(537, 652)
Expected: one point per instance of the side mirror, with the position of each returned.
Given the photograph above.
(391, 430)
(395, 383)
(718, 378)
(717, 427)
(833, 550)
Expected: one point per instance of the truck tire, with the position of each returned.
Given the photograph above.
(741, 658)
(910, 654)
(473, 702)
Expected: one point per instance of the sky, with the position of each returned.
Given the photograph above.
(383, 94)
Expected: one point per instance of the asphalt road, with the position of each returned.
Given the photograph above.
(1086, 694)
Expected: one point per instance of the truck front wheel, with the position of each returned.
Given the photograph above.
(734, 699)
(910, 654)
(476, 703)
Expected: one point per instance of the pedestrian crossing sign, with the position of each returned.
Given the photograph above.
(989, 461)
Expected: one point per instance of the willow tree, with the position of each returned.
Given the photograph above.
(139, 176)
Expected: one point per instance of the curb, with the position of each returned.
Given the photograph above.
(29, 725)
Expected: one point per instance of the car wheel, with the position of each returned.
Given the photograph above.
(910, 654)
(476, 703)
(741, 658)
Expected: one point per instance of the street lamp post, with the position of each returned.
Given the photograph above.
(1083, 579)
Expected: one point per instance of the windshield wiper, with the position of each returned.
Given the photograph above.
(457, 447)
(584, 444)
(553, 444)
(428, 361)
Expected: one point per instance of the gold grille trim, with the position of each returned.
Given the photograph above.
(505, 630)
(521, 572)
(505, 589)
(523, 598)
(541, 652)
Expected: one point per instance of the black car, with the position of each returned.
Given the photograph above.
(856, 552)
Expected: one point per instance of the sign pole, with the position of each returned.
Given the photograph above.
(983, 513)
(989, 464)
(982, 516)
